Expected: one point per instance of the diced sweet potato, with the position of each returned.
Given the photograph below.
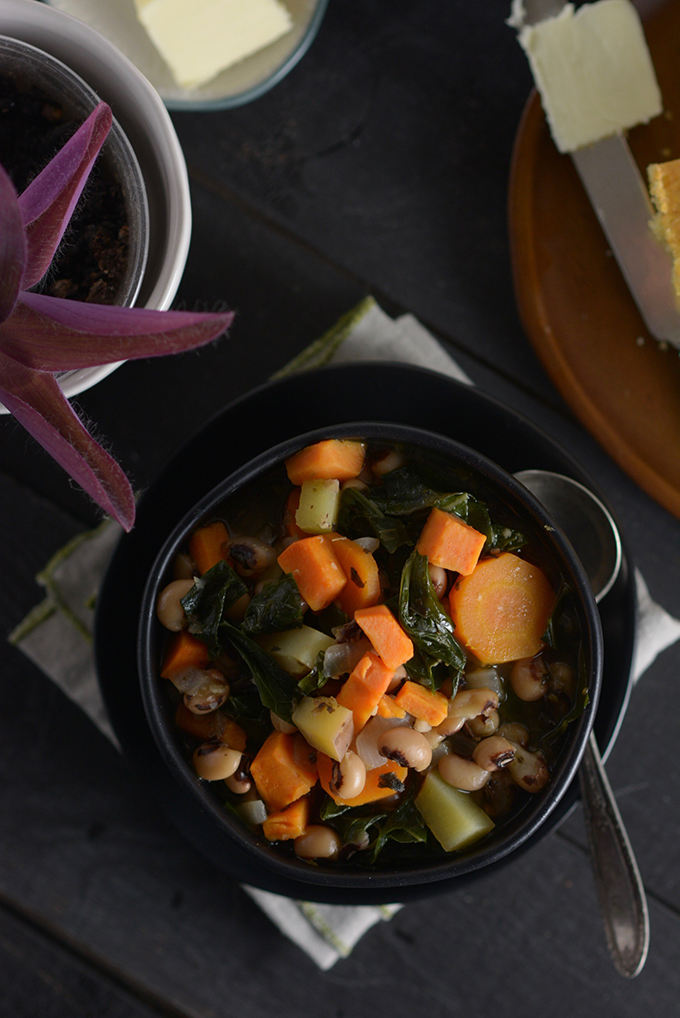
(315, 569)
(208, 545)
(287, 823)
(362, 589)
(333, 458)
(184, 651)
(377, 785)
(449, 542)
(389, 708)
(290, 527)
(389, 640)
(363, 688)
(424, 704)
(280, 774)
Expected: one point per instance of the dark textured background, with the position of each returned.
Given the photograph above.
(380, 165)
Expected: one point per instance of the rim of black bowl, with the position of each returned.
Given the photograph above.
(500, 844)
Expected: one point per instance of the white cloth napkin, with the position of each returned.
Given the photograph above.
(57, 634)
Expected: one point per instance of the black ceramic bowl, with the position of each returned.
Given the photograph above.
(250, 858)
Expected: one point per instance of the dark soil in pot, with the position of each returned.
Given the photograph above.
(92, 260)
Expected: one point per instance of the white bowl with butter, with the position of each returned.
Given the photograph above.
(206, 54)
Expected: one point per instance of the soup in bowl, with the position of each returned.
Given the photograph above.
(373, 660)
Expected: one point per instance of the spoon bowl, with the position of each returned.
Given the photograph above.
(585, 520)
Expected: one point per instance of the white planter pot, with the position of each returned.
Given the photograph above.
(145, 121)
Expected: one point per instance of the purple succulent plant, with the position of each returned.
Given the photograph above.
(42, 335)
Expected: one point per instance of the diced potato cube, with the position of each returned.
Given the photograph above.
(319, 505)
(454, 817)
(325, 724)
(296, 650)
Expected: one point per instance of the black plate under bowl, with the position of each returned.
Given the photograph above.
(267, 416)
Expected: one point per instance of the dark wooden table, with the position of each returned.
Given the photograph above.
(379, 166)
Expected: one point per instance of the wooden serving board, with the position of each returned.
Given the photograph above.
(572, 298)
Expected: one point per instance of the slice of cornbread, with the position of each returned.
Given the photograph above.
(664, 188)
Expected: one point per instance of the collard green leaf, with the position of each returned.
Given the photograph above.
(476, 514)
(359, 516)
(278, 606)
(278, 690)
(404, 825)
(209, 598)
(425, 621)
(247, 709)
(353, 824)
(314, 679)
(404, 492)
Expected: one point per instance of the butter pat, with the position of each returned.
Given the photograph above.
(593, 71)
(200, 38)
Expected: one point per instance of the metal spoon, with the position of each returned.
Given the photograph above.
(595, 538)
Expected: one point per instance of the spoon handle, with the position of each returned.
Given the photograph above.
(617, 878)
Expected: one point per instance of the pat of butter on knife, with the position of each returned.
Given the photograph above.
(200, 38)
(593, 71)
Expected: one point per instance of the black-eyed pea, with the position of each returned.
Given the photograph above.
(250, 555)
(487, 677)
(391, 460)
(439, 578)
(528, 770)
(399, 676)
(169, 610)
(208, 693)
(348, 776)
(493, 753)
(238, 784)
(528, 678)
(483, 725)
(280, 725)
(215, 761)
(407, 747)
(515, 732)
(500, 793)
(433, 738)
(451, 724)
(318, 842)
(470, 703)
(462, 772)
(562, 674)
(354, 482)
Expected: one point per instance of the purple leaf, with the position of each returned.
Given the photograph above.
(48, 202)
(37, 402)
(12, 246)
(51, 334)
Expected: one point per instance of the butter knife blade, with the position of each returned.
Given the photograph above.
(620, 199)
